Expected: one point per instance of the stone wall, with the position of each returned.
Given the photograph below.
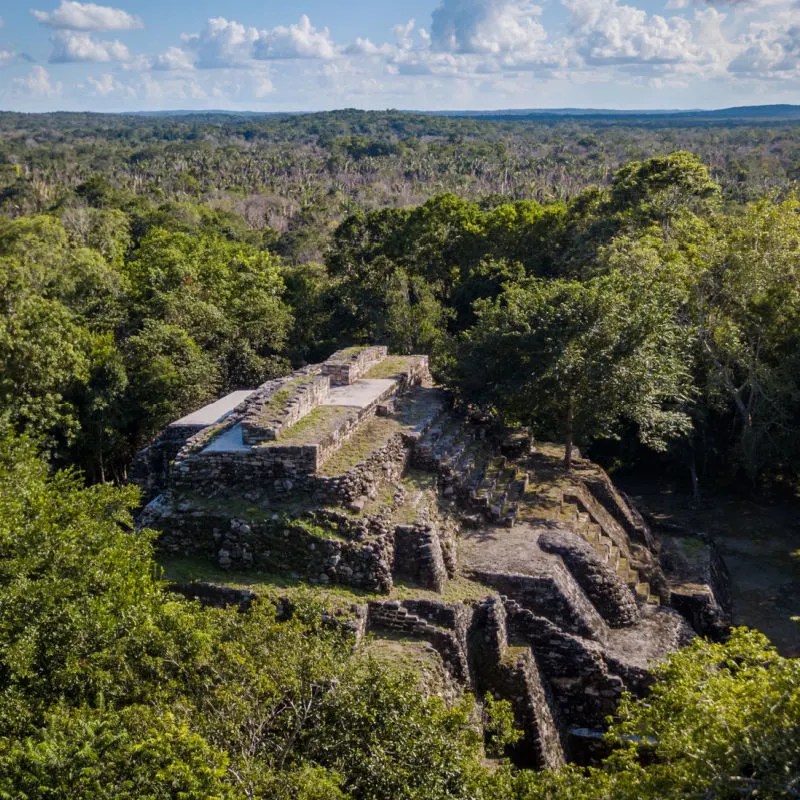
(699, 582)
(265, 418)
(608, 593)
(553, 593)
(297, 547)
(347, 366)
(213, 594)
(584, 689)
(630, 520)
(151, 466)
(418, 556)
(275, 470)
(641, 557)
(392, 617)
(513, 675)
(384, 465)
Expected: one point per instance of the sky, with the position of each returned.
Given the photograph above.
(406, 54)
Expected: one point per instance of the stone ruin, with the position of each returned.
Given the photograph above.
(465, 543)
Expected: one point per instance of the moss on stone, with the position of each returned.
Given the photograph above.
(314, 426)
(391, 367)
(346, 355)
(370, 436)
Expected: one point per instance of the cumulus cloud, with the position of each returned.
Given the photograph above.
(486, 26)
(364, 47)
(174, 59)
(6, 57)
(222, 44)
(38, 84)
(87, 17)
(302, 40)
(770, 49)
(106, 85)
(607, 32)
(73, 46)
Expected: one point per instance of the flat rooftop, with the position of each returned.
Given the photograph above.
(360, 394)
(216, 411)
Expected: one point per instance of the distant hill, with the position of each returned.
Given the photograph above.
(753, 113)
(743, 113)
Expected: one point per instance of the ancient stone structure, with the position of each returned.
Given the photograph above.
(358, 473)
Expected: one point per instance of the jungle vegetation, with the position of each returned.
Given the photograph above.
(601, 283)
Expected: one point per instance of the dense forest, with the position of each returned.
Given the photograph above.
(632, 288)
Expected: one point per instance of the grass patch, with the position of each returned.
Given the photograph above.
(279, 584)
(370, 436)
(346, 355)
(390, 367)
(311, 428)
(275, 405)
(420, 488)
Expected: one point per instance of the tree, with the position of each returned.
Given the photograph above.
(579, 357)
(721, 721)
(168, 375)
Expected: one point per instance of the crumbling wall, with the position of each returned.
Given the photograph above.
(512, 674)
(297, 547)
(347, 366)
(608, 593)
(553, 593)
(265, 420)
(643, 558)
(393, 617)
(386, 464)
(418, 556)
(584, 690)
(150, 469)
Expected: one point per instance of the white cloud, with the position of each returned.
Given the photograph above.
(88, 17)
(487, 26)
(174, 59)
(302, 40)
(37, 83)
(605, 32)
(222, 44)
(6, 57)
(364, 47)
(770, 49)
(107, 85)
(262, 86)
(71, 46)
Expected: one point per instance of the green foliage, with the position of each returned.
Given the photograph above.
(110, 687)
(722, 721)
(579, 357)
(498, 725)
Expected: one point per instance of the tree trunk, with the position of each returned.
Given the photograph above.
(570, 435)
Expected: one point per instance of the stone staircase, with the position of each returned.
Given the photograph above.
(609, 552)
(501, 487)
(420, 620)
(491, 486)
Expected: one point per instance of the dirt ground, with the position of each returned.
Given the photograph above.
(760, 544)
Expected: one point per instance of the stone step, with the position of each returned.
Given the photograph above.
(517, 489)
(603, 549)
(613, 557)
(643, 591)
(593, 534)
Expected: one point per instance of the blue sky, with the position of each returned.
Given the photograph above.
(415, 54)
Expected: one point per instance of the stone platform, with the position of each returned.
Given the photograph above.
(357, 476)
